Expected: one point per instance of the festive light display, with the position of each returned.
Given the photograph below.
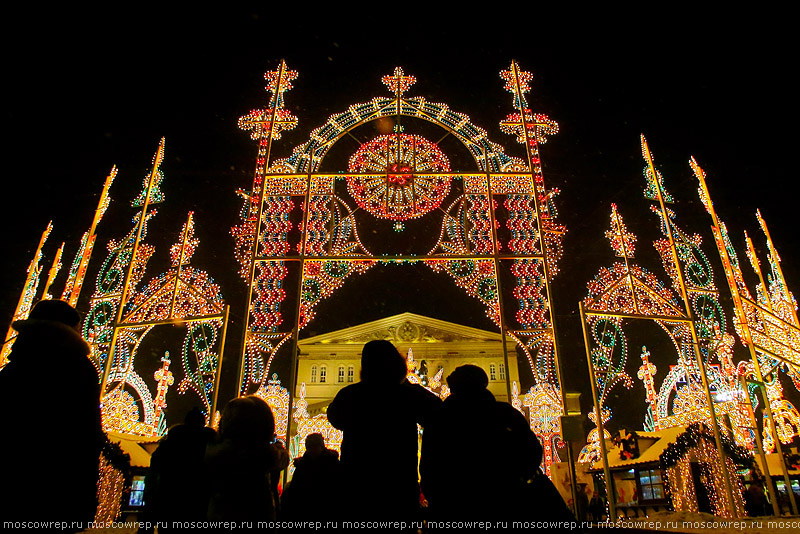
(122, 270)
(697, 445)
(501, 220)
(417, 374)
(646, 373)
(544, 404)
(767, 325)
(122, 315)
(278, 399)
(77, 272)
(689, 313)
(591, 452)
(115, 475)
(51, 275)
(27, 296)
(403, 190)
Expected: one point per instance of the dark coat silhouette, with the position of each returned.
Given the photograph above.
(175, 486)
(755, 502)
(316, 484)
(239, 465)
(480, 458)
(50, 412)
(597, 507)
(379, 418)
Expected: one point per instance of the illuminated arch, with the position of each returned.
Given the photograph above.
(488, 156)
(293, 197)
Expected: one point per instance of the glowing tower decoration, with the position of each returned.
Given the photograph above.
(768, 326)
(299, 239)
(122, 315)
(77, 272)
(689, 313)
(27, 296)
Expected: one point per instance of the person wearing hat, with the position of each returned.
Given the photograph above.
(50, 413)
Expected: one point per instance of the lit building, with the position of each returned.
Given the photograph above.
(328, 362)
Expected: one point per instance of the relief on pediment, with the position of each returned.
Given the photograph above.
(411, 332)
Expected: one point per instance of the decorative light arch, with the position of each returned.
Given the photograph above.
(504, 222)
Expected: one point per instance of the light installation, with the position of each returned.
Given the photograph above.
(122, 314)
(299, 238)
(53, 272)
(278, 399)
(690, 314)
(768, 326)
(27, 296)
(77, 272)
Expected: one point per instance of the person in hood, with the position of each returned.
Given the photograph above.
(378, 417)
(50, 412)
(479, 455)
(316, 484)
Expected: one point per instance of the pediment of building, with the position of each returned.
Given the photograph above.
(405, 328)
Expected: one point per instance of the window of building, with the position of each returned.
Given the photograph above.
(323, 374)
(340, 374)
(137, 491)
(492, 371)
(313, 374)
(502, 371)
(351, 372)
(651, 485)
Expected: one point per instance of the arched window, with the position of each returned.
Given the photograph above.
(340, 375)
(502, 371)
(492, 371)
(351, 372)
(313, 374)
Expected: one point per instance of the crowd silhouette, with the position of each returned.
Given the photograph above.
(479, 458)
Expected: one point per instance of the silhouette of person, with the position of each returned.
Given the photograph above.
(755, 502)
(316, 483)
(597, 507)
(174, 486)
(582, 504)
(476, 452)
(238, 466)
(379, 417)
(480, 458)
(53, 436)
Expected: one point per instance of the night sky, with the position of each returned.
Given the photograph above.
(83, 93)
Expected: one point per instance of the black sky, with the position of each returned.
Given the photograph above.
(87, 90)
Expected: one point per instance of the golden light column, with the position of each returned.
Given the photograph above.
(28, 294)
(77, 273)
(51, 275)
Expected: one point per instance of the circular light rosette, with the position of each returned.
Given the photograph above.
(398, 176)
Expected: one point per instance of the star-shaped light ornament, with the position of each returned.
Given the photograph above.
(517, 83)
